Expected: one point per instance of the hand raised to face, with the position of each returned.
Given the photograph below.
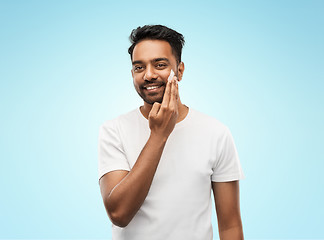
(163, 117)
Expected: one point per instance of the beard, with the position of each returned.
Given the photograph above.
(151, 98)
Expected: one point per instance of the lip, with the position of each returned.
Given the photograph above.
(153, 90)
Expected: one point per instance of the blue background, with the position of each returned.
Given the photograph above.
(257, 66)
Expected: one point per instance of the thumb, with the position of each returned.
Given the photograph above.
(155, 109)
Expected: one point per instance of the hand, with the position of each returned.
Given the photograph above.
(163, 117)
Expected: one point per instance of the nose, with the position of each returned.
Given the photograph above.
(150, 73)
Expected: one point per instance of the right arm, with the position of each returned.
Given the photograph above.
(124, 192)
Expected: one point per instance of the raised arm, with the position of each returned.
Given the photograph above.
(124, 192)
(227, 201)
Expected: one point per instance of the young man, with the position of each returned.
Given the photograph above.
(159, 162)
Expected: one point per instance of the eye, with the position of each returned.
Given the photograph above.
(161, 65)
(138, 68)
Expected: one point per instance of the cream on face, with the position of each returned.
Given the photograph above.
(171, 75)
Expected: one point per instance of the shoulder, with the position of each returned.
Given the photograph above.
(208, 122)
(123, 119)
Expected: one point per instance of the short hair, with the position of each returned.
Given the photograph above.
(158, 32)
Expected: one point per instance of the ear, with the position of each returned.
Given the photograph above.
(181, 69)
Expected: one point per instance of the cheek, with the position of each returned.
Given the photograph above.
(165, 74)
(136, 78)
(137, 82)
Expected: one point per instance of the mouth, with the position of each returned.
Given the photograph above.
(153, 88)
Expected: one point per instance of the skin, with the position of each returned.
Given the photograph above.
(124, 192)
(147, 71)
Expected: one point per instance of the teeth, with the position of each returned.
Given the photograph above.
(149, 88)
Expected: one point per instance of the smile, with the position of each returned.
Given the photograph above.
(153, 88)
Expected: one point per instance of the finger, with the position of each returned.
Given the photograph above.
(177, 95)
(155, 109)
(177, 90)
(166, 97)
(174, 94)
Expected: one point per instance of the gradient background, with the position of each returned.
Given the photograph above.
(257, 66)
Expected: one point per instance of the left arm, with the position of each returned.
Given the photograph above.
(227, 202)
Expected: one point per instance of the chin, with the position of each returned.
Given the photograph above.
(151, 102)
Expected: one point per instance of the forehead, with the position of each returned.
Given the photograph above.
(151, 49)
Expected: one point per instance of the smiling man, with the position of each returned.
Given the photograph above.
(159, 163)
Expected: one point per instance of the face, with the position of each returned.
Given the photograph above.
(151, 65)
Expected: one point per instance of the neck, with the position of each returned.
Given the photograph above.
(183, 110)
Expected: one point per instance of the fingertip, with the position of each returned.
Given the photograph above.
(156, 104)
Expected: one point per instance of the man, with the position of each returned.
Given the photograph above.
(158, 163)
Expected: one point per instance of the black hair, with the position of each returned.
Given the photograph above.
(158, 32)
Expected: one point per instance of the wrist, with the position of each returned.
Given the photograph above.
(158, 138)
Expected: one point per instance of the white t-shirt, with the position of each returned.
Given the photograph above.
(178, 206)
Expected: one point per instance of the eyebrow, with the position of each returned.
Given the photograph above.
(153, 61)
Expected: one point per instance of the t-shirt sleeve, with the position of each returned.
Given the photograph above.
(111, 155)
(227, 166)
